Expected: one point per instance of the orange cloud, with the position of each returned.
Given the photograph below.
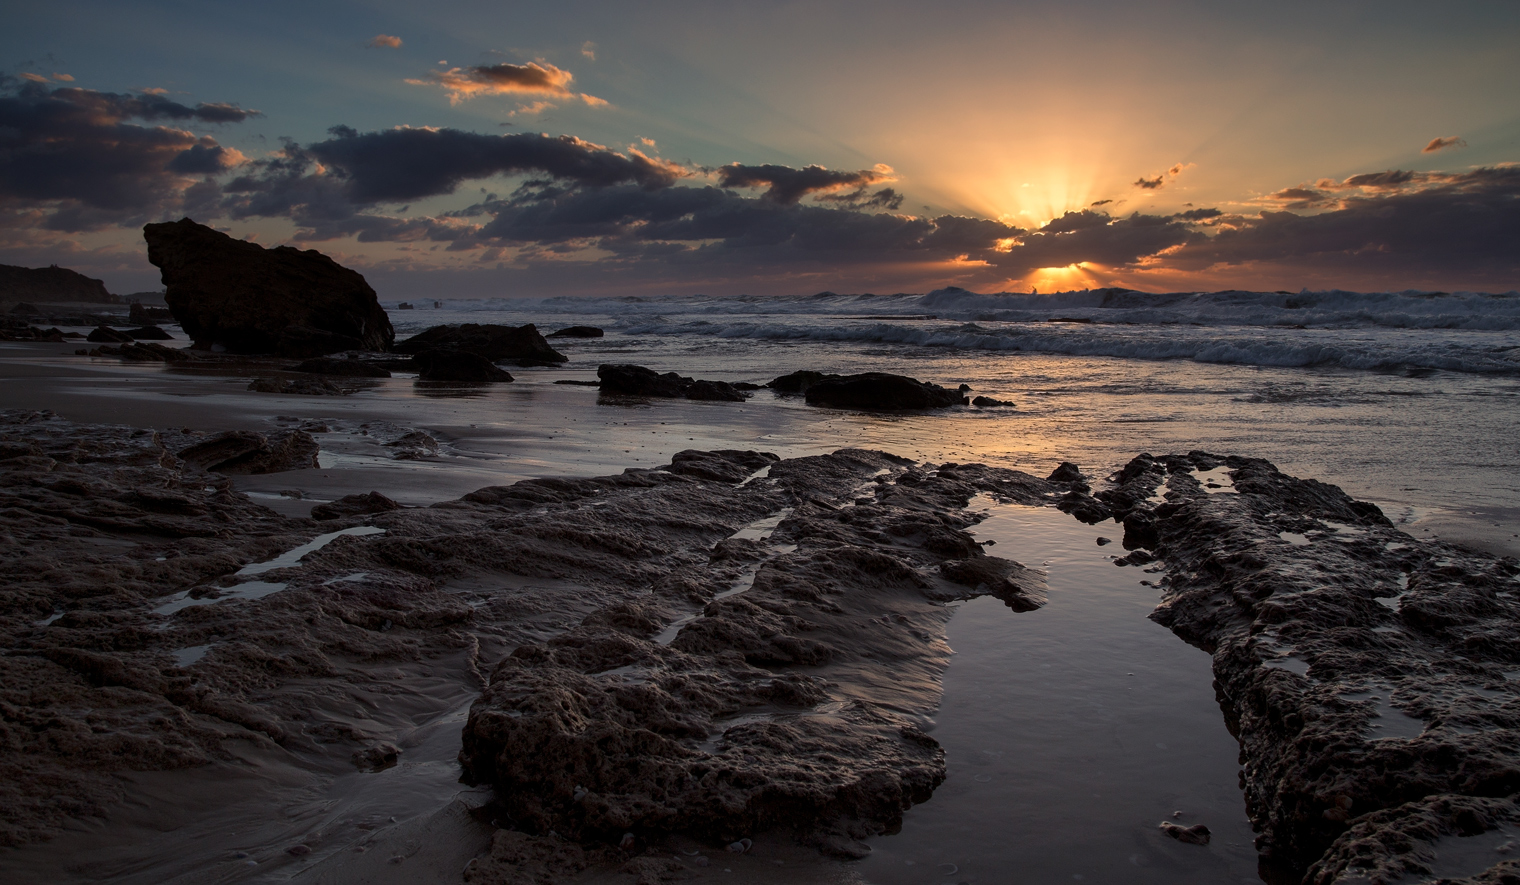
(541, 80)
(63, 78)
(35, 78)
(1442, 143)
(385, 41)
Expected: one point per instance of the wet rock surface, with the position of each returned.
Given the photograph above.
(249, 299)
(493, 342)
(1370, 678)
(456, 365)
(879, 391)
(631, 380)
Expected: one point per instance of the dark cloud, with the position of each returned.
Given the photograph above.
(1302, 198)
(786, 185)
(76, 152)
(1198, 214)
(886, 199)
(1095, 238)
(1451, 226)
(539, 80)
(1442, 143)
(1100, 203)
(1151, 184)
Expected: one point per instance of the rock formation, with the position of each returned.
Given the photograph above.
(456, 365)
(494, 343)
(51, 284)
(577, 332)
(249, 299)
(630, 380)
(879, 391)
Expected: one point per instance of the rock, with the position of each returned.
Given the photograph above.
(723, 465)
(25, 309)
(879, 391)
(51, 284)
(1362, 671)
(249, 299)
(577, 332)
(377, 757)
(456, 365)
(1067, 472)
(247, 452)
(144, 315)
(342, 368)
(414, 446)
(149, 333)
(1198, 834)
(798, 382)
(987, 402)
(494, 343)
(107, 335)
(405, 305)
(354, 505)
(630, 380)
(297, 386)
(152, 353)
(1019, 588)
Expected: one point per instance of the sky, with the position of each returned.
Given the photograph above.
(466, 149)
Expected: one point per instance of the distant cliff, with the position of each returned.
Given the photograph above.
(51, 284)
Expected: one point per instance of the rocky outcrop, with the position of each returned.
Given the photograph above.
(244, 452)
(456, 365)
(798, 382)
(248, 299)
(578, 332)
(1363, 671)
(494, 343)
(51, 284)
(879, 391)
(354, 505)
(342, 368)
(631, 380)
(146, 315)
(107, 335)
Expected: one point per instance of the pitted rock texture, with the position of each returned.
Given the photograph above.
(249, 299)
(1363, 671)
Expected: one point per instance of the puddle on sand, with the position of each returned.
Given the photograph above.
(1070, 733)
(261, 589)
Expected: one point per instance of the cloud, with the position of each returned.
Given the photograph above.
(1160, 181)
(1442, 143)
(534, 79)
(786, 185)
(34, 78)
(62, 78)
(588, 49)
(76, 154)
(385, 41)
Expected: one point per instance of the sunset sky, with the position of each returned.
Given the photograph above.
(467, 149)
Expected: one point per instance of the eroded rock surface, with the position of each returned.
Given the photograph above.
(1373, 680)
(249, 299)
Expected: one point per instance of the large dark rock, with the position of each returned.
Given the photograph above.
(249, 299)
(344, 368)
(494, 343)
(354, 505)
(577, 332)
(630, 380)
(799, 382)
(456, 365)
(108, 335)
(244, 452)
(880, 391)
(51, 284)
(146, 315)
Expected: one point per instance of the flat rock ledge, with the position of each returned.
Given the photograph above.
(1372, 679)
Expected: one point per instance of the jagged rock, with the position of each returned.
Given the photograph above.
(145, 315)
(51, 284)
(577, 332)
(107, 335)
(246, 452)
(987, 402)
(1020, 588)
(879, 391)
(456, 365)
(342, 368)
(723, 465)
(631, 380)
(149, 333)
(354, 505)
(1066, 471)
(492, 342)
(249, 299)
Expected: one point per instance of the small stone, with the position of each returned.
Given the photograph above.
(298, 850)
(1198, 834)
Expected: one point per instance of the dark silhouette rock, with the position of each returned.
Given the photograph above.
(298, 386)
(107, 335)
(494, 343)
(144, 353)
(149, 333)
(343, 368)
(630, 380)
(405, 305)
(987, 402)
(880, 391)
(1067, 472)
(798, 382)
(354, 505)
(246, 452)
(249, 299)
(456, 365)
(577, 332)
(51, 284)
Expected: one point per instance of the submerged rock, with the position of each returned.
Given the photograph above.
(248, 299)
(879, 391)
(630, 380)
(492, 342)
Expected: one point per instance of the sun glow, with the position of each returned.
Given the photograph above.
(1082, 275)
